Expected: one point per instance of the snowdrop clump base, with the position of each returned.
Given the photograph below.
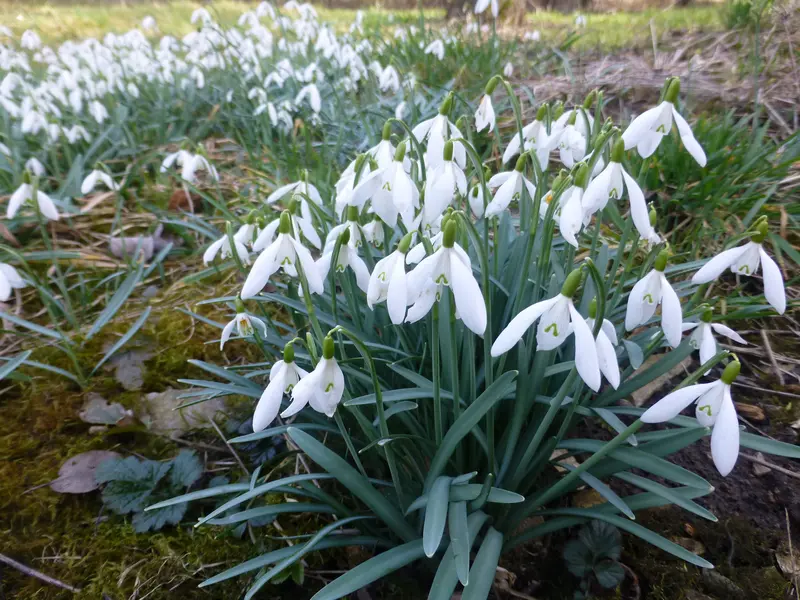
(413, 375)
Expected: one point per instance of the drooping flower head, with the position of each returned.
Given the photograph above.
(509, 185)
(322, 388)
(702, 337)
(388, 282)
(245, 325)
(283, 376)
(650, 291)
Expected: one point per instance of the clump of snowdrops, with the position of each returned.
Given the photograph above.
(448, 328)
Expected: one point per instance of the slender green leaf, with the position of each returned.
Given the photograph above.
(481, 575)
(125, 338)
(435, 515)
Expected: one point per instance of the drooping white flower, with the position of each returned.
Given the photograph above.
(535, 138)
(222, 246)
(448, 266)
(436, 47)
(388, 282)
(604, 344)
(443, 181)
(508, 70)
(23, 194)
(482, 5)
(374, 233)
(476, 202)
(244, 324)
(580, 21)
(648, 129)
(303, 190)
(715, 409)
(509, 186)
(196, 162)
(390, 190)
(348, 257)
(702, 337)
(311, 92)
(437, 131)
(149, 24)
(650, 291)
(745, 260)
(10, 279)
(484, 116)
(300, 226)
(347, 183)
(91, 180)
(285, 252)
(322, 388)
(389, 80)
(571, 143)
(558, 319)
(284, 375)
(35, 167)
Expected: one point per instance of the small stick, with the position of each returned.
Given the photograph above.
(771, 357)
(770, 465)
(37, 574)
(235, 455)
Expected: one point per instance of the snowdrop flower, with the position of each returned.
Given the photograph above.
(484, 116)
(149, 24)
(26, 192)
(745, 260)
(222, 246)
(400, 111)
(436, 47)
(373, 232)
(389, 80)
(535, 139)
(388, 282)
(443, 181)
(322, 388)
(348, 257)
(285, 252)
(509, 186)
(604, 344)
(448, 266)
(508, 70)
(30, 40)
(98, 176)
(532, 36)
(482, 5)
(383, 152)
(283, 376)
(311, 92)
(571, 143)
(611, 182)
(558, 319)
(174, 158)
(476, 202)
(244, 324)
(35, 167)
(647, 130)
(437, 131)
(574, 214)
(715, 409)
(300, 225)
(703, 336)
(650, 291)
(196, 162)
(580, 21)
(11, 279)
(360, 167)
(357, 237)
(303, 189)
(202, 15)
(98, 111)
(390, 190)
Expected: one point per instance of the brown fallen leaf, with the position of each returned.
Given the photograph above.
(751, 412)
(76, 476)
(690, 544)
(178, 201)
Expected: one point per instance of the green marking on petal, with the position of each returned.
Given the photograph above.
(382, 276)
(329, 387)
(706, 408)
(648, 298)
(387, 186)
(744, 269)
(442, 280)
(286, 261)
(552, 326)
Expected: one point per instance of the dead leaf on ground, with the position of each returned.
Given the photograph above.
(751, 412)
(76, 476)
(98, 411)
(690, 544)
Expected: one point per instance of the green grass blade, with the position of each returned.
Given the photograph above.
(125, 338)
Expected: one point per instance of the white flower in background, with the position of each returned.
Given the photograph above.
(484, 116)
(715, 409)
(508, 70)
(10, 279)
(284, 375)
(532, 36)
(703, 336)
(535, 139)
(400, 111)
(352, 225)
(322, 388)
(244, 324)
(149, 24)
(389, 80)
(300, 225)
(35, 167)
(192, 163)
(98, 111)
(95, 177)
(443, 181)
(482, 5)
(604, 344)
(437, 131)
(248, 233)
(571, 143)
(745, 260)
(348, 257)
(648, 129)
(285, 252)
(174, 158)
(303, 190)
(436, 47)
(347, 184)
(476, 202)
(222, 246)
(373, 232)
(388, 282)
(650, 291)
(574, 214)
(391, 191)
(30, 40)
(23, 194)
(383, 152)
(580, 21)
(558, 319)
(509, 186)
(448, 266)
(311, 92)
(201, 15)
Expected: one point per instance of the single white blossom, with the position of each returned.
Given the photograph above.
(284, 375)
(10, 279)
(322, 388)
(650, 291)
(92, 179)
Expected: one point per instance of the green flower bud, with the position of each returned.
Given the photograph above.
(450, 231)
(447, 104)
(352, 213)
(653, 216)
(673, 90)
(288, 353)
(593, 308)
(448, 150)
(293, 205)
(328, 347)
(706, 316)
(252, 216)
(405, 242)
(520, 166)
(26, 177)
(558, 110)
(661, 261)
(571, 283)
(618, 151)
(581, 175)
(731, 371)
(400, 153)
(239, 305)
(285, 226)
(762, 229)
(490, 87)
(590, 98)
(572, 117)
(387, 131)
(541, 114)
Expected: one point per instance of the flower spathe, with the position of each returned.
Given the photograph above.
(447, 266)
(650, 291)
(648, 129)
(558, 319)
(10, 279)
(322, 389)
(285, 252)
(715, 409)
(284, 375)
(745, 260)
